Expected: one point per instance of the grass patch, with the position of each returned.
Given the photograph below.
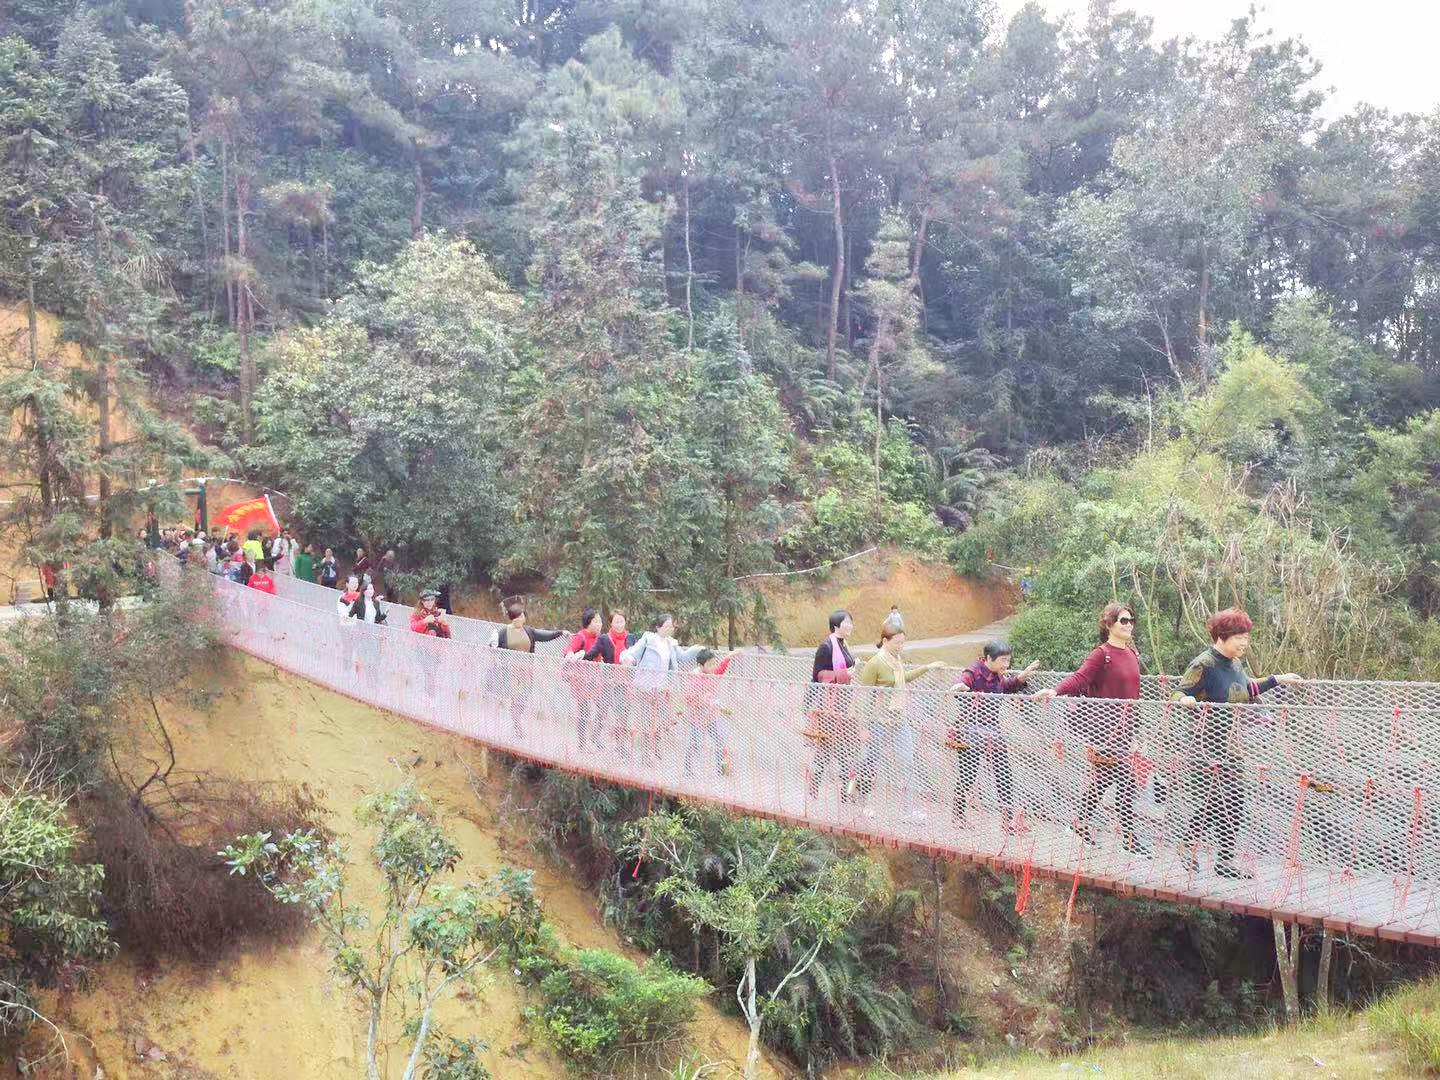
(1411, 1018)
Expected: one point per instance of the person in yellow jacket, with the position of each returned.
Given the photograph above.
(891, 736)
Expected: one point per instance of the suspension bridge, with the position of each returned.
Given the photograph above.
(1331, 784)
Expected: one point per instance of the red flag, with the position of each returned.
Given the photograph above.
(241, 517)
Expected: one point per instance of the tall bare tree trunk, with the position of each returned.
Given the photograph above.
(1322, 978)
(246, 312)
(752, 1055)
(43, 448)
(1287, 960)
(941, 1005)
(106, 443)
(879, 420)
(848, 314)
(199, 202)
(417, 216)
(739, 286)
(839, 268)
(231, 306)
(730, 563)
(1202, 324)
(689, 273)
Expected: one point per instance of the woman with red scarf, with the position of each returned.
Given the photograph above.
(582, 681)
(614, 696)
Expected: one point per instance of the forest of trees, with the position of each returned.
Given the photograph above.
(636, 297)
(628, 301)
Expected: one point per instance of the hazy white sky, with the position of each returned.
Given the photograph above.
(1380, 51)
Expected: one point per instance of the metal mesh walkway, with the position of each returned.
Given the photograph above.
(1330, 790)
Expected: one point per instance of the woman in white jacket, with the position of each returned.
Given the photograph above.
(656, 657)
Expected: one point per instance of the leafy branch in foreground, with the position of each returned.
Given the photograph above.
(759, 903)
(425, 941)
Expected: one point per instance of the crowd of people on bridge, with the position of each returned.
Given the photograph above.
(667, 680)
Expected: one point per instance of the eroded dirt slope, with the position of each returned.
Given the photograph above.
(274, 1012)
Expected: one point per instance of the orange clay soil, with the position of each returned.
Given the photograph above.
(935, 601)
(273, 1010)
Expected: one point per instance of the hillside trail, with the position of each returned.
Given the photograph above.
(273, 1010)
(953, 648)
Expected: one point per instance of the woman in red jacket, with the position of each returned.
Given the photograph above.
(427, 618)
(1111, 671)
(583, 682)
(261, 579)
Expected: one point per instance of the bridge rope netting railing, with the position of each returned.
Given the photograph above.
(1320, 807)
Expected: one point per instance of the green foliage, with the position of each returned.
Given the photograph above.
(1058, 636)
(50, 921)
(853, 1002)
(775, 898)
(382, 423)
(449, 1058)
(69, 675)
(426, 939)
(1257, 404)
(1156, 962)
(841, 515)
(599, 1008)
(1180, 535)
(1411, 1017)
(1395, 500)
(89, 201)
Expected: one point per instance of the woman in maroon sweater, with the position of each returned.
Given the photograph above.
(1111, 672)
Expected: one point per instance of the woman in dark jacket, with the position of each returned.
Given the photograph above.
(827, 705)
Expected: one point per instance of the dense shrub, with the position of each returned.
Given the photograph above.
(166, 890)
(49, 925)
(841, 514)
(1058, 637)
(599, 1008)
(1160, 964)
(852, 1003)
(65, 678)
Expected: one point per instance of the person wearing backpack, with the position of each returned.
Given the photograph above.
(513, 681)
(656, 657)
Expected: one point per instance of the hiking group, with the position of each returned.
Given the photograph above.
(1111, 672)
(856, 741)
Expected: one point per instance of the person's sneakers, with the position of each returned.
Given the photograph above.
(1233, 872)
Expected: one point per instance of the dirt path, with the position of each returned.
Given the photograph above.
(956, 648)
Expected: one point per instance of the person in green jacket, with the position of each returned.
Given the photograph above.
(1216, 678)
(304, 565)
